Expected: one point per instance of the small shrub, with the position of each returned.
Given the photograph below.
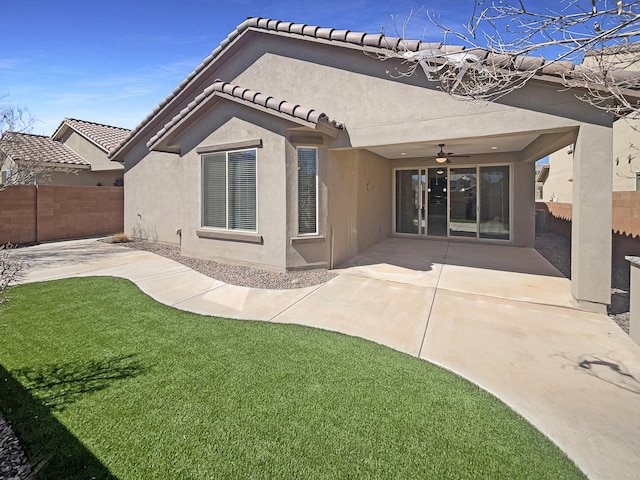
(10, 271)
(119, 238)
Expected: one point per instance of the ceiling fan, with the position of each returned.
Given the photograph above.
(443, 157)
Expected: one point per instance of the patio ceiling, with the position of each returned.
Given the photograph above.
(467, 146)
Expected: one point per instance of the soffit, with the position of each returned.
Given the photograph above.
(467, 146)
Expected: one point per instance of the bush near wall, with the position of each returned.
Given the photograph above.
(32, 214)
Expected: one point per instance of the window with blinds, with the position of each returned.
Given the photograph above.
(229, 190)
(307, 190)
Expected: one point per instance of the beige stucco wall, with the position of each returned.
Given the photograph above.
(64, 176)
(228, 123)
(105, 178)
(625, 162)
(309, 250)
(360, 202)
(626, 154)
(152, 198)
(559, 182)
(379, 110)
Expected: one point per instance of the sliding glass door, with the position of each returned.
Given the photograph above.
(494, 202)
(408, 201)
(437, 202)
(463, 202)
(471, 202)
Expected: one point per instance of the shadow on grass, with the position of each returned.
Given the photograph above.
(29, 397)
(61, 384)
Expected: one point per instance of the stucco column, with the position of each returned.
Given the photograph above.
(591, 218)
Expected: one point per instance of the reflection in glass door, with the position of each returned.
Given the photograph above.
(410, 201)
(494, 202)
(463, 191)
(437, 202)
(407, 201)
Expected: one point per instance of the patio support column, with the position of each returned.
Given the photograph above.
(591, 218)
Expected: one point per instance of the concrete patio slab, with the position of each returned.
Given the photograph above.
(573, 374)
(414, 262)
(511, 285)
(389, 313)
(502, 258)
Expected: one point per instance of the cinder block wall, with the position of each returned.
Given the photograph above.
(625, 222)
(626, 213)
(30, 214)
(18, 215)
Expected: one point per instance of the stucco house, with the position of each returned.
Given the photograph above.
(76, 154)
(289, 148)
(625, 157)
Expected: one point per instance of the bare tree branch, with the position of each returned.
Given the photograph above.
(588, 44)
(10, 271)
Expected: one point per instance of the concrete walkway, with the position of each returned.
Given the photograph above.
(500, 316)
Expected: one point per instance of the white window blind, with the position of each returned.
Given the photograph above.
(307, 190)
(242, 190)
(229, 190)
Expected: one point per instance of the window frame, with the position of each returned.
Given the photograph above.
(204, 157)
(317, 193)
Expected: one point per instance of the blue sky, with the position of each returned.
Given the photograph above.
(113, 61)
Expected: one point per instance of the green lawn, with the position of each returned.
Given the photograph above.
(101, 381)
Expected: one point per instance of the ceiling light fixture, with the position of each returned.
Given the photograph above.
(441, 157)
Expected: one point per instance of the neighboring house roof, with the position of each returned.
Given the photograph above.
(106, 137)
(229, 91)
(361, 40)
(38, 148)
(626, 49)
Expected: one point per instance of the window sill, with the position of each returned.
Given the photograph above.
(245, 237)
(307, 239)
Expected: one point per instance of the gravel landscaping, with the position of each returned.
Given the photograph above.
(237, 274)
(557, 250)
(13, 461)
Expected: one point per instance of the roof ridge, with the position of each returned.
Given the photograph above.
(94, 123)
(26, 133)
(41, 148)
(265, 101)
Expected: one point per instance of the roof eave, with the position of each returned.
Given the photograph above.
(163, 141)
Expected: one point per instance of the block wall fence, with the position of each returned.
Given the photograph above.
(625, 217)
(32, 214)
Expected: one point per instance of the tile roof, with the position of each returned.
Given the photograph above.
(106, 137)
(628, 48)
(225, 89)
(38, 148)
(359, 39)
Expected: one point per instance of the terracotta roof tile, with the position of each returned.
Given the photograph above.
(105, 136)
(38, 148)
(223, 89)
